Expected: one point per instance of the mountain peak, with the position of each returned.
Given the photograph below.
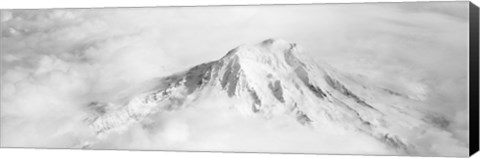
(269, 49)
(276, 43)
(273, 78)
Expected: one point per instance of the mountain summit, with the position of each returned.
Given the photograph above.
(274, 78)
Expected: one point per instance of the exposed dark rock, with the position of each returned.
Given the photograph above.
(255, 108)
(233, 51)
(277, 90)
(394, 141)
(360, 118)
(342, 89)
(394, 93)
(317, 91)
(198, 75)
(231, 77)
(291, 59)
(302, 74)
(256, 101)
(303, 118)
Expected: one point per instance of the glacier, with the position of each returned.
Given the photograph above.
(275, 78)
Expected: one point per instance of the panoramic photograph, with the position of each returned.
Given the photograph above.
(357, 79)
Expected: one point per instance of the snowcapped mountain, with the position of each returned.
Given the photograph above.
(275, 78)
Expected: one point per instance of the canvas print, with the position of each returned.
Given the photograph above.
(367, 78)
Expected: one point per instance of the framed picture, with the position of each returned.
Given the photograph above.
(339, 79)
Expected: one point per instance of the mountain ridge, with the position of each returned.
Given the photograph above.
(274, 78)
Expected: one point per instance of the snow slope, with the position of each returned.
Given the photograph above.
(273, 79)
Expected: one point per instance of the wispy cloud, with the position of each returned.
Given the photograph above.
(54, 62)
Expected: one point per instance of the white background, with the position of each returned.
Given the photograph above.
(53, 153)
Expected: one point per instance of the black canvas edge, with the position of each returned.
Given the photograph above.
(474, 79)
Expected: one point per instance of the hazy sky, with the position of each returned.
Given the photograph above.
(53, 62)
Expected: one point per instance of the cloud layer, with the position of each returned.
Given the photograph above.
(55, 62)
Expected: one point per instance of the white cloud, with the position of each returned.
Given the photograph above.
(210, 126)
(54, 62)
(59, 62)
